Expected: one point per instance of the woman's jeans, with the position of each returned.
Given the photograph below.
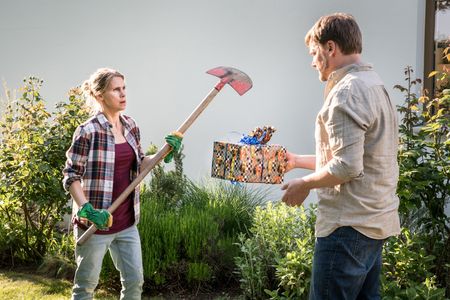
(346, 265)
(125, 250)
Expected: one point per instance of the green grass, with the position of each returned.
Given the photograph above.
(26, 286)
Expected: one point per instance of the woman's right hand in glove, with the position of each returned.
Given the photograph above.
(101, 218)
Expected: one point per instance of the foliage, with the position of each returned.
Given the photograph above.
(109, 276)
(33, 143)
(188, 230)
(198, 272)
(408, 270)
(194, 241)
(57, 267)
(276, 259)
(168, 185)
(424, 180)
(59, 262)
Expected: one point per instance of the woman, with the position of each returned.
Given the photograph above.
(105, 156)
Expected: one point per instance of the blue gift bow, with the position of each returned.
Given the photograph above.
(248, 140)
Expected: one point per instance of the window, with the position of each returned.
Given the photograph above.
(437, 39)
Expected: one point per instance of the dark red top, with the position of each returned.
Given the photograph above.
(123, 216)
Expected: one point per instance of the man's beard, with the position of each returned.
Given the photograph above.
(322, 76)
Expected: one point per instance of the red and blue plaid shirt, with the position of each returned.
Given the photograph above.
(90, 159)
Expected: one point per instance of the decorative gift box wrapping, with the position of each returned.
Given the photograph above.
(249, 163)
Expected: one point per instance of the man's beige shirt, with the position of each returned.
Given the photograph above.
(356, 140)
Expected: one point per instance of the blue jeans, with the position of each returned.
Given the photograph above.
(346, 265)
(125, 250)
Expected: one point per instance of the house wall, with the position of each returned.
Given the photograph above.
(164, 48)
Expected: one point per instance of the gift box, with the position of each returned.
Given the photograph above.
(249, 163)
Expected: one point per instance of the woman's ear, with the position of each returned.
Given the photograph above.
(99, 98)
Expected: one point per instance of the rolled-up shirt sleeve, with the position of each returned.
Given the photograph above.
(346, 124)
(77, 156)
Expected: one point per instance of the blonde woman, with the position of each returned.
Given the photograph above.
(103, 159)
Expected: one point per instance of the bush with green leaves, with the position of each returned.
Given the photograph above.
(33, 142)
(168, 185)
(407, 271)
(188, 230)
(424, 180)
(276, 259)
(194, 242)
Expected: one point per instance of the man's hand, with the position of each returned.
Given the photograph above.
(296, 192)
(174, 140)
(100, 217)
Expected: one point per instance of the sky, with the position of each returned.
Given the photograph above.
(165, 47)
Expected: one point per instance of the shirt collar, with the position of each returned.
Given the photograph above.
(105, 123)
(337, 75)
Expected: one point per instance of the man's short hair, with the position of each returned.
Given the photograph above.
(340, 28)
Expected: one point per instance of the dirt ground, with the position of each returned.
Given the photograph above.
(231, 293)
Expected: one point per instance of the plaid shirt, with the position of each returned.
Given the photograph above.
(90, 159)
(357, 140)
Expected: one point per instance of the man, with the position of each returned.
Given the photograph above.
(355, 166)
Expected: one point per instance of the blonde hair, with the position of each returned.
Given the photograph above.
(96, 85)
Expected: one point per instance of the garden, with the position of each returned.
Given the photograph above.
(213, 239)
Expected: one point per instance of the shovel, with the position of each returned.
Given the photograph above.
(238, 80)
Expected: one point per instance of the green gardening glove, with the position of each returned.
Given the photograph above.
(174, 140)
(100, 217)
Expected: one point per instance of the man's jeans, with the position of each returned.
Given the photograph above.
(125, 250)
(346, 265)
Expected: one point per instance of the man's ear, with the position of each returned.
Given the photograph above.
(331, 47)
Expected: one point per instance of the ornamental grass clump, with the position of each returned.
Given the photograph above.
(189, 232)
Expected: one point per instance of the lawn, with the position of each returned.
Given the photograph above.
(24, 285)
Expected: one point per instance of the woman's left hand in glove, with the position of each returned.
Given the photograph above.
(174, 140)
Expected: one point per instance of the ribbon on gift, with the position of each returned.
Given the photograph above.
(251, 140)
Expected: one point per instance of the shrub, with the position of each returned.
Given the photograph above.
(33, 143)
(169, 186)
(424, 180)
(188, 230)
(408, 270)
(276, 258)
